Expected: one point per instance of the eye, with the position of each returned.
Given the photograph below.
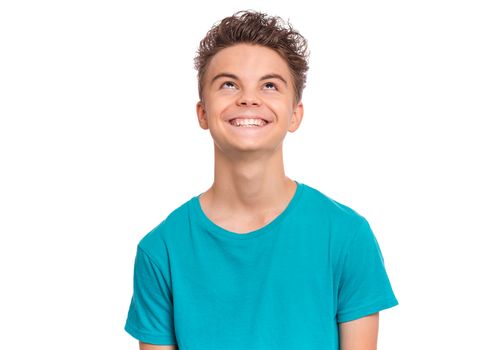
(269, 83)
(228, 82)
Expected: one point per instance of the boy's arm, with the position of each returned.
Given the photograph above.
(360, 334)
(146, 346)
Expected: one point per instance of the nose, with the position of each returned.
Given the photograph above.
(248, 98)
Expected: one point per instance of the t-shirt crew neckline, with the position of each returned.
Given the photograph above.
(222, 232)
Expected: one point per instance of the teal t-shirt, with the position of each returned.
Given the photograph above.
(284, 286)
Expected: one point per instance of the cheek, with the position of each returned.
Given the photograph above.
(280, 106)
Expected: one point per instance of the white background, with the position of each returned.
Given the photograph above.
(99, 142)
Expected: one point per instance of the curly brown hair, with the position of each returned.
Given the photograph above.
(256, 28)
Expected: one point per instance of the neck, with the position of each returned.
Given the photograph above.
(249, 183)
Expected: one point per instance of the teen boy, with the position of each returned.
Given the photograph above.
(258, 261)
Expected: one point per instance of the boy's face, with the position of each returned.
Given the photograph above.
(238, 84)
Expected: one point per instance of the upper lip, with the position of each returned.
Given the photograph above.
(242, 116)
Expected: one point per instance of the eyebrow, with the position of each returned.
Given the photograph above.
(267, 76)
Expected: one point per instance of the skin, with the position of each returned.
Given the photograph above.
(250, 188)
(146, 346)
(360, 334)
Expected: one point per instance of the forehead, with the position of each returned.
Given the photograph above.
(249, 60)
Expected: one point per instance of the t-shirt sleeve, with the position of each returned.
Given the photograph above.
(364, 286)
(150, 315)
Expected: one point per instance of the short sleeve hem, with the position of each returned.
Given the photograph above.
(366, 310)
(156, 339)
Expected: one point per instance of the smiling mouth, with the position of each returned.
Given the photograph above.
(248, 123)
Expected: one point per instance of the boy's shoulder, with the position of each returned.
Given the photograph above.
(341, 221)
(322, 204)
(314, 205)
(157, 236)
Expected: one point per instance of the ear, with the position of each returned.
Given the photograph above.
(297, 117)
(201, 115)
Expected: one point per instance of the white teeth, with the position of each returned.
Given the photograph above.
(247, 122)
